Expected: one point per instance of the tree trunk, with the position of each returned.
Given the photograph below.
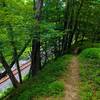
(15, 54)
(8, 70)
(74, 25)
(64, 43)
(18, 66)
(76, 37)
(36, 61)
(35, 66)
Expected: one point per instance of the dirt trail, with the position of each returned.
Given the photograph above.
(72, 82)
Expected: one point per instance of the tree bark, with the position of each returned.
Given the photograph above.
(75, 25)
(17, 64)
(8, 70)
(36, 61)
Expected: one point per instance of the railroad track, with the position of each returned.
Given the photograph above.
(22, 67)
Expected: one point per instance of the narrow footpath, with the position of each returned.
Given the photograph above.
(73, 81)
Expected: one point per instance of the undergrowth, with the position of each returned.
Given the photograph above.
(90, 74)
(46, 83)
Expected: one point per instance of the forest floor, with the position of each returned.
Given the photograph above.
(70, 79)
(67, 78)
(72, 82)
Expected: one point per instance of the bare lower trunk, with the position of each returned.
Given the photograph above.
(17, 64)
(35, 57)
(8, 70)
(36, 61)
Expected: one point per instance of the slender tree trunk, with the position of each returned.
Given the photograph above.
(76, 37)
(46, 54)
(67, 25)
(15, 54)
(64, 43)
(8, 70)
(55, 49)
(20, 53)
(18, 66)
(59, 45)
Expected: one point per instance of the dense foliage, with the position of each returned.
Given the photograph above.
(45, 29)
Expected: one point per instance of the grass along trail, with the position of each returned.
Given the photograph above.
(73, 81)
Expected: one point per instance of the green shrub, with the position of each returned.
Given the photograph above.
(92, 53)
(90, 74)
